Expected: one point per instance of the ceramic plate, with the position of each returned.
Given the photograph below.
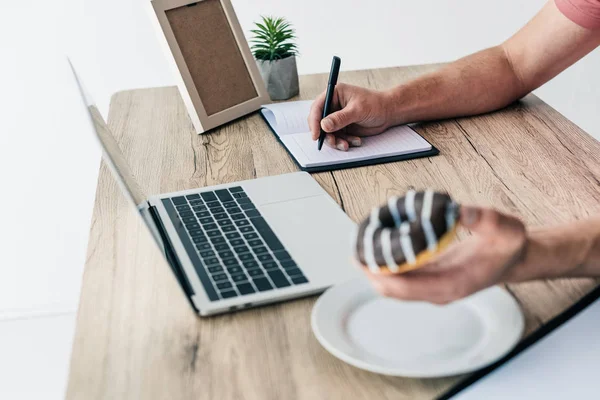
(416, 339)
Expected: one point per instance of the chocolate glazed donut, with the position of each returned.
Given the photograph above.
(406, 232)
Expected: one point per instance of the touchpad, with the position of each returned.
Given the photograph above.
(312, 227)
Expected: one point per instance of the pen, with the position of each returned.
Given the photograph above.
(333, 76)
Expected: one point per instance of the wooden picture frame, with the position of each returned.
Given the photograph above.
(216, 73)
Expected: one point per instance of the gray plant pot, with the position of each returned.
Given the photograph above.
(280, 77)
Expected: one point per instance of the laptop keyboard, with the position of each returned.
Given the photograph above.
(239, 252)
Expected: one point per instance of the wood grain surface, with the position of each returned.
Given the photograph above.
(136, 336)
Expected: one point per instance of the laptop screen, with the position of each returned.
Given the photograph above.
(112, 153)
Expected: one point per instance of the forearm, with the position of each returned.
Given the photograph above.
(479, 83)
(570, 250)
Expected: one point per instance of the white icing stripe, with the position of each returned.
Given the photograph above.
(369, 240)
(386, 249)
(426, 221)
(393, 207)
(406, 243)
(409, 206)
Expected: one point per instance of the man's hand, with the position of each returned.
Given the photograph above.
(493, 254)
(355, 112)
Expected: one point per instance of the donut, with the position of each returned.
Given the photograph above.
(406, 232)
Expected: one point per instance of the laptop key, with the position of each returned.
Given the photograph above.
(235, 217)
(224, 285)
(223, 195)
(199, 239)
(228, 294)
(222, 247)
(206, 220)
(217, 210)
(247, 206)
(293, 272)
(255, 242)
(239, 278)
(230, 204)
(255, 273)
(179, 200)
(211, 261)
(245, 288)
(251, 235)
(192, 196)
(208, 196)
(190, 227)
(262, 284)
(236, 242)
(229, 228)
(225, 222)
(242, 222)
(202, 214)
(282, 255)
(288, 264)
(232, 235)
(206, 254)
(239, 195)
(299, 280)
(265, 257)
(236, 269)
(209, 227)
(245, 256)
(270, 265)
(196, 202)
(234, 210)
(189, 220)
(219, 277)
(186, 213)
(230, 262)
(215, 269)
(225, 254)
(213, 204)
(183, 207)
(267, 234)
(250, 264)
(278, 278)
(244, 200)
(236, 189)
(245, 229)
(196, 232)
(252, 213)
(217, 240)
(260, 250)
(199, 208)
(203, 246)
(213, 233)
(241, 249)
(220, 216)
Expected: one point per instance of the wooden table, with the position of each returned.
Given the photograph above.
(137, 337)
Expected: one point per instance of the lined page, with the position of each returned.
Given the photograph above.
(395, 141)
(289, 117)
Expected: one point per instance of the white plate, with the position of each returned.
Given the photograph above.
(416, 339)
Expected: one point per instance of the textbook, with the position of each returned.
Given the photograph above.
(288, 121)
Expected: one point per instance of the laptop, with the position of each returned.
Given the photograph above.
(241, 244)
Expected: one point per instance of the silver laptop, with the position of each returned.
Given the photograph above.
(241, 244)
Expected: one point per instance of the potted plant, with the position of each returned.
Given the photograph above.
(274, 49)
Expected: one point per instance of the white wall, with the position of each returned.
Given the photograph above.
(49, 162)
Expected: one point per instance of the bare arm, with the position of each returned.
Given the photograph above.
(479, 83)
(493, 78)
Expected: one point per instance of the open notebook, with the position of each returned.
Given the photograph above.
(289, 123)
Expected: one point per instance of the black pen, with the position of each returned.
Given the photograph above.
(333, 76)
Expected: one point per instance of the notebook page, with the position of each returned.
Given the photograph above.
(288, 117)
(395, 141)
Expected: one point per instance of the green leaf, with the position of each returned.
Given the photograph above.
(274, 38)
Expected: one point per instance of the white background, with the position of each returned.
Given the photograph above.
(49, 161)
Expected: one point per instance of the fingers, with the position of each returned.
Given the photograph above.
(339, 120)
(341, 141)
(489, 221)
(435, 287)
(314, 116)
